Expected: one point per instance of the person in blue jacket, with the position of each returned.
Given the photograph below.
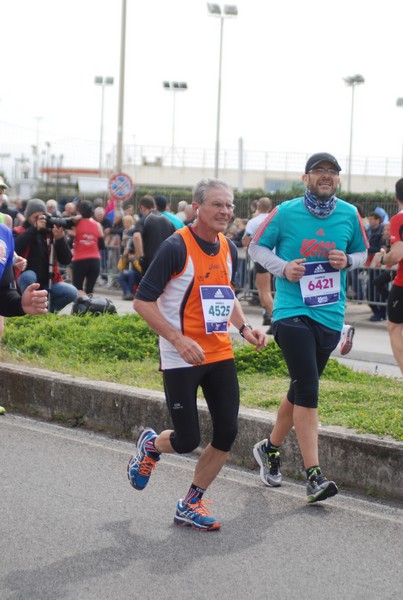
(12, 304)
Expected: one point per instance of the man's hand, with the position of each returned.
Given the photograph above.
(34, 301)
(255, 337)
(338, 259)
(19, 262)
(295, 269)
(58, 232)
(189, 350)
(40, 222)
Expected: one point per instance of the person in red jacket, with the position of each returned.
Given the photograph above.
(88, 239)
(395, 257)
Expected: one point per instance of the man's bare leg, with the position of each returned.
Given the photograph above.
(306, 428)
(396, 341)
(263, 285)
(208, 466)
(284, 423)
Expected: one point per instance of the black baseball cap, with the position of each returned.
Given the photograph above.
(319, 157)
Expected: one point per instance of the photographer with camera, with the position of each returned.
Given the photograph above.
(42, 241)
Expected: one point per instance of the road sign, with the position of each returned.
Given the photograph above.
(121, 187)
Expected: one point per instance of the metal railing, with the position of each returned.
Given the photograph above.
(366, 285)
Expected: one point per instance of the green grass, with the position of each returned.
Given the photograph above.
(124, 350)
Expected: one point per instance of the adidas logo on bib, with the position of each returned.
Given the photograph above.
(218, 294)
(319, 269)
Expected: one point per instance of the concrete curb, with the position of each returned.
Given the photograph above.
(361, 463)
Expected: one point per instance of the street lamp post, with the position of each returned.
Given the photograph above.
(399, 102)
(47, 144)
(174, 86)
(119, 143)
(102, 81)
(35, 149)
(3, 155)
(352, 81)
(217, 11)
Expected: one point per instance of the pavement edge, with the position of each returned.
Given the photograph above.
(361, 463)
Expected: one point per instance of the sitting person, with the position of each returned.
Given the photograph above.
(43, 248)
(130, 275)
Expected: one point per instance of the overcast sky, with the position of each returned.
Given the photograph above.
(282, 82)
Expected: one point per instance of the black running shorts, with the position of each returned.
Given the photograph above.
(221, 391)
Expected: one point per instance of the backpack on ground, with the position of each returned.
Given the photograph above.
(94, 305)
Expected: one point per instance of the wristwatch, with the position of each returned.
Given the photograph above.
(242, 327)
(349, 261)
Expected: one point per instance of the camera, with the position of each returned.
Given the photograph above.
(65, 222)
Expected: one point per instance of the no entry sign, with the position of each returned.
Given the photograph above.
(121, 187)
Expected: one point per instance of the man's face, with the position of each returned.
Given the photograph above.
(70, 209)
(37, 219)
(323, 180)
(99, 215)
(373, 222)
(216, 211)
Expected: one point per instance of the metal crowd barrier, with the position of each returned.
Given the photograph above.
(365, 285)
(110, 258)
(370, 285)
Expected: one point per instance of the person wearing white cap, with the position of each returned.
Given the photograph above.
(5, 208)
(317, 238)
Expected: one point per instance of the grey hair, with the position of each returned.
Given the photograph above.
(201, 189)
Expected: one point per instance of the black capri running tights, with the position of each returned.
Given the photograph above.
(87, 269)
(306, 346)
(220, 387)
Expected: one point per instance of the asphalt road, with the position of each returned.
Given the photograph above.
(73, 528)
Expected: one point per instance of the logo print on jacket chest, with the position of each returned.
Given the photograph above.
(315, 248)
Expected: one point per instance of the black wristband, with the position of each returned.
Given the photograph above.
(242, 327)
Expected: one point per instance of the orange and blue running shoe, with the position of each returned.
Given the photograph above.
(195, 514)
(141, 465)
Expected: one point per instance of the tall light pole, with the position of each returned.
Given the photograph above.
(36, 148)
(222, 12)
(119, 143)
(174, 86)
(399, 102)
(102, 81)
(352, 81)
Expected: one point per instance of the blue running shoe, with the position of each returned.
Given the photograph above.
(196, 515)
(141, 465)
